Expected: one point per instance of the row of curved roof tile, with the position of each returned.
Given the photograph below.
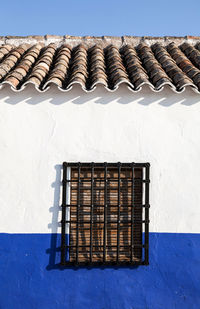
(177, 66)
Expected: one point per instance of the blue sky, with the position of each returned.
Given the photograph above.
(105, 17)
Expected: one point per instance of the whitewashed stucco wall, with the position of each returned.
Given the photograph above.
(40, 131)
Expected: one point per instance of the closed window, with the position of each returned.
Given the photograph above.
(105, 214)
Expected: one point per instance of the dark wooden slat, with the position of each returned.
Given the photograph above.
(98, 238)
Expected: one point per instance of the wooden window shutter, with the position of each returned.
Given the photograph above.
(107, 206)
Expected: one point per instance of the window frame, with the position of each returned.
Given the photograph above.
(65, 242)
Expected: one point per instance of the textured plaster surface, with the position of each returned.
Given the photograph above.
(30, 277)
(40, 131)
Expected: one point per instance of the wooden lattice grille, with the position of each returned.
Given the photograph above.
(108, 209)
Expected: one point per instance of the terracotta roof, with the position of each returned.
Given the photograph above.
(109, 61)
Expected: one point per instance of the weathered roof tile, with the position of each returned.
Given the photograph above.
(110, 61)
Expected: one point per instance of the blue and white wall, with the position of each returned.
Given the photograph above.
(40, 131)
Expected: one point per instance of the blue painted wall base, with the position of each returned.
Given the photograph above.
(31, 278)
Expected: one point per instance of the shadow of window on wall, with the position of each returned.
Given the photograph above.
(54, 226)
(116, 197)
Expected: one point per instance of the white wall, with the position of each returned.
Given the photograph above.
(40, 131)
